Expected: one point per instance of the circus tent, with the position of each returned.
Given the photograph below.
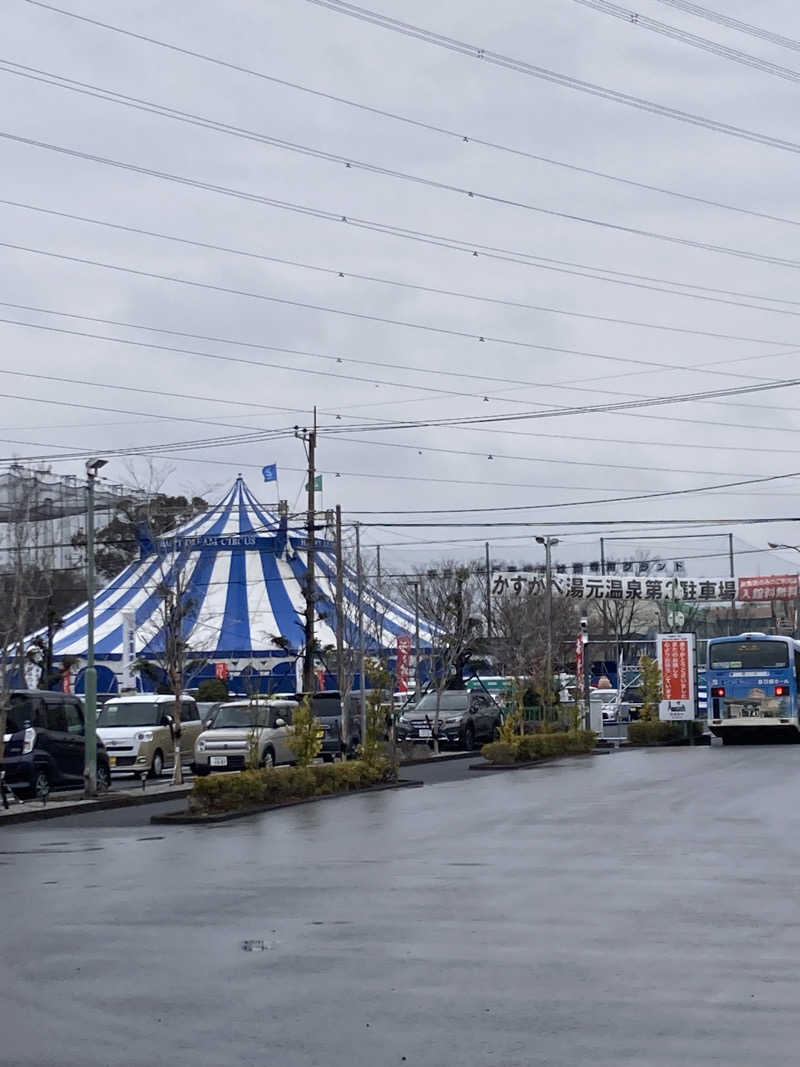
(241, 570)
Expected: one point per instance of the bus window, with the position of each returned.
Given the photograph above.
(748, 655)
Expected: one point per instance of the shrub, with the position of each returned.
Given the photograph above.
(532, 747)
(653, 732)
(652, 692)
(305, 741)
(218, 793)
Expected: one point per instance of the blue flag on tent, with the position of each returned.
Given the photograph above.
(270, 472)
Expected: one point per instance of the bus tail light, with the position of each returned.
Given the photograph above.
(781, 690)
(718, 691)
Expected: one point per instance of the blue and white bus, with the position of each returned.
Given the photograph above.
(753, 687)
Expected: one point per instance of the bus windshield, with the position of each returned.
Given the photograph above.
(748, 655)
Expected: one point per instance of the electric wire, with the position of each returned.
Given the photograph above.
(731, 23)
(351, 220)
(487, 56)
(641, 21)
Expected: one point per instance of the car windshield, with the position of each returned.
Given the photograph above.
(749, 655)
(241, 717)
(448, 702)
(140, 713)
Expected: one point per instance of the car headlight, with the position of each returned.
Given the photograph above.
(451, 720)
(144, 735)
(201, 746)
(403, 721)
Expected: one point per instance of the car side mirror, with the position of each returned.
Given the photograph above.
(166, 720)
(280, 722)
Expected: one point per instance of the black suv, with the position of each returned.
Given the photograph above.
(465, 718)
(45, 743)
(327, 708)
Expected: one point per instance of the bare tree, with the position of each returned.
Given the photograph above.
(520, 629)
(450, 599)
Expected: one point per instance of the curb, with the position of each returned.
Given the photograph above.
(57, 810)
(431, 760)
(533, 763)
(185, 819)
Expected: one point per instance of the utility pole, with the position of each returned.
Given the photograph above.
(417, 693)
(309, 438)
(548, 543)
(340, 624)
(378, 563)
(734, 627)
(488, 595)
(90, 709)
(361, 653)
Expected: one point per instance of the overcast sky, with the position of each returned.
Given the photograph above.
(555, 461)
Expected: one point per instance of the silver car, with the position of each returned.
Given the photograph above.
(245, 731)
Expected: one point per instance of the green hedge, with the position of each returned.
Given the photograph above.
(654, 732)
(538, 746)
(252, 789)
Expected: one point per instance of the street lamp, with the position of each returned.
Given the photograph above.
(548, 543)
(90, 687)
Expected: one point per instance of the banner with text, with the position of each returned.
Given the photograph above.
(676, 660)
(607, 587)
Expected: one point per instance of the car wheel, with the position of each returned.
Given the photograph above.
(103, 778)
(268, 759)
(469, 737)
(41, 783)
(157, 766)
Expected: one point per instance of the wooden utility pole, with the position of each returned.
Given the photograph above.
(310, 440)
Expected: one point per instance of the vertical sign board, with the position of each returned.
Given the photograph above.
(676, 659)
(403, 660)
(221, 671)
(128, 681)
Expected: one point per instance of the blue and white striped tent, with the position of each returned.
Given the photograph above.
(243, 571)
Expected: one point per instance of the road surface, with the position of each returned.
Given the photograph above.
(635, 908)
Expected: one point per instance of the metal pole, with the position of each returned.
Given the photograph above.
(417, 694)
(361, 653)
(378, 564)
(340, 625)
(602, 555)
(90, 678)
(488, 594)
(308, 656)
(735, 627)
(549, 579)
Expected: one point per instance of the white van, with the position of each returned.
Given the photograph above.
(137, 731)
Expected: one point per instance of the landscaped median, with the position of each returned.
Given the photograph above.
(655, 732)
(224, 796)
(533, 748)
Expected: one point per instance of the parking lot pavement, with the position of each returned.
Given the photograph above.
(637, 908)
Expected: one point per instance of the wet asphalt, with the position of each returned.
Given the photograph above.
(635, 908)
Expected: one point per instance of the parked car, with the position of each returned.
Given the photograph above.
(327, 709)
(239, 725)
(137, 731)
(44, 743)
(465, 719)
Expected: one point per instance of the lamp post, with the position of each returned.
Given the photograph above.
(90, 708)
(548, 543)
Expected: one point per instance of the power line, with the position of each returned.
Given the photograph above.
(485, 55)
(411, 424)
(634, 18)
(581, 270)
(338, 273)
(330, 216)
(732, 23)
(459, 135)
